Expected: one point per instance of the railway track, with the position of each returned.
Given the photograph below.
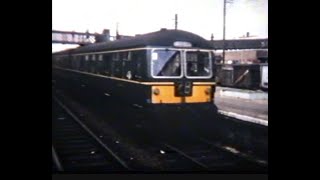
(196, 154)
(202, 155)
(76, 149)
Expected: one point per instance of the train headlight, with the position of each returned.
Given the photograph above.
(156, 91)
(207, 91)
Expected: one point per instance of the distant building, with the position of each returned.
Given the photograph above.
(246, 50)
(240, 44)
(248, 56)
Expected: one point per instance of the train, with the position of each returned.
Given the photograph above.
(163, 73)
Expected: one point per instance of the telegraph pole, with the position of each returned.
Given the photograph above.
(224, 31)
(176, 22)
(117, 32)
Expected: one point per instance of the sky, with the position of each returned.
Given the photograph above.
(202, 17)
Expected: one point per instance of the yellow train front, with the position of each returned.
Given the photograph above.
(181, 75)
(164, 71)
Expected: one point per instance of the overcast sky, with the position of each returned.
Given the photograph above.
(202, 17)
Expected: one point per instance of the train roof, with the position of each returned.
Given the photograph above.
(163, 37)
(63, 52)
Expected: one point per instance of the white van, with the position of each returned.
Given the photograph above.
(264, 76)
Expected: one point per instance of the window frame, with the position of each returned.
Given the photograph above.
(210, 64)
(167, 77)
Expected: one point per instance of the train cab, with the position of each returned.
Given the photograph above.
(181, 74)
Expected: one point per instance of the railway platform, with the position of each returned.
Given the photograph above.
(243, 104)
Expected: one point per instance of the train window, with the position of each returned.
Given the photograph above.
(68, 62)
(100, 57)
(99, 64)
(115, 56)
(129, 56)
(87, 64)
(77, 63)
(59, 61)
(116, 65)
(92, 64)
(124, 56)
(82, 63)
(73, 62)
(166, 63)
(107, 64)
(64, 62)
(198, 64)
(138, 57)
(126, 65)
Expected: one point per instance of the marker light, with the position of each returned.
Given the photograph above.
(156, 91)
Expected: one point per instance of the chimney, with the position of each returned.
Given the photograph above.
(106, 33)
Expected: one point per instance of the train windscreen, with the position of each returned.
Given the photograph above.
(166, 63)
(198, 64)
